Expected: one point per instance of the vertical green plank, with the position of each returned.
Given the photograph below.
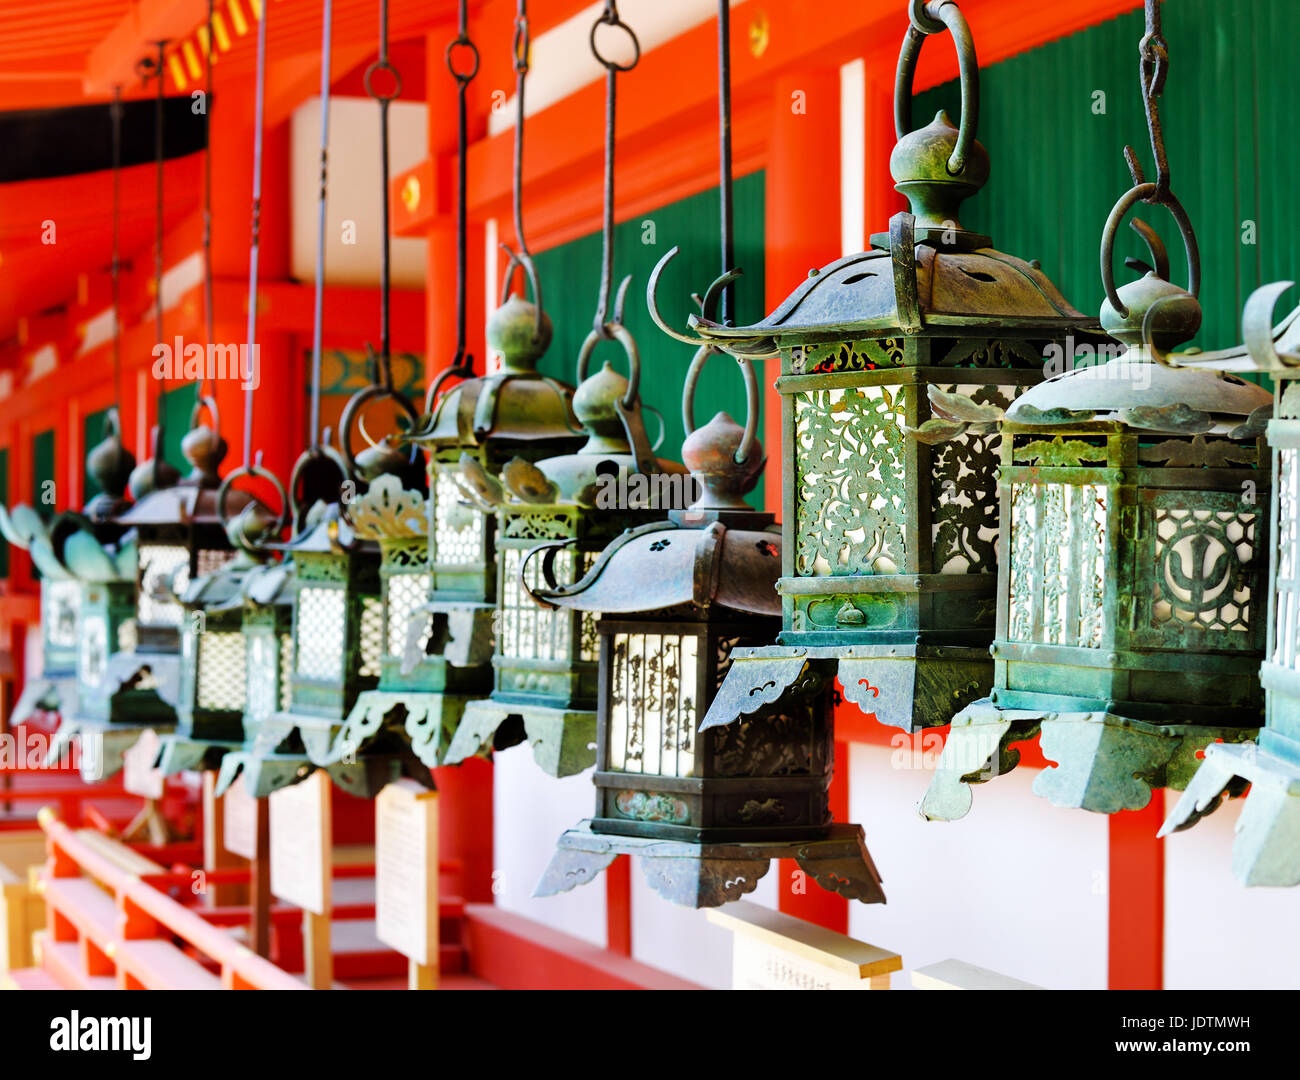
(570, 277)
(178, 404)
(44, 495)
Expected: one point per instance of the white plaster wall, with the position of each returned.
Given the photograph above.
(1219, 934)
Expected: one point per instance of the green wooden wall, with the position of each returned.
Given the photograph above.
(177, 406)
(570, 276)
(1229, 116)
(43, 473)
(92, 434)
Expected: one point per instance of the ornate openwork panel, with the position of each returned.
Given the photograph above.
(964, 492)
(406, 592)
(457, 524)
(92, 649)
(770, 744)
(210, 559)
(1286, 586)
(372, 636)
(869, 354)
(320, 633)
(539, 524)
(850, 493)
(164, 571)
(1059, 540)
(652, 706)
(221, 670)
(1204, 572)
(60, 600)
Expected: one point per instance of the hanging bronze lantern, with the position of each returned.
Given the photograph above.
(87, 582)
(704, 808)
(178, 537)
(1264, 851)
(546, 659)
(890, 540)
(215, 657)
(1131, 603)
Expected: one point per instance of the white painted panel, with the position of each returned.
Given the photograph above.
(531, 810)
(353, 193)
(853, 157)
(1017, 886)
(1219, 934)
(677, 939)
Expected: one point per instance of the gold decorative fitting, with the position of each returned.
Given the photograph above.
(760, 34)
(411, 193)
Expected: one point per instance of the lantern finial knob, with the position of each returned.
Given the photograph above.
(513, 331)
(710, 453)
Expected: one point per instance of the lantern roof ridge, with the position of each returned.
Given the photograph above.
(508, 406)
(667, 565)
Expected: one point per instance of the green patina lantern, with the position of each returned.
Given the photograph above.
(705, 809)
(1131, 602)
(178, 538)
(87, 582)
(215, 659)
(890, 566)
(1266, 850)
(546, 661)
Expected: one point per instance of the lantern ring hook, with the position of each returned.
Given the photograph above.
(751, 399)
(933, 17)
(465, 77)
(620, 333)
(387, 68)
(1143, 193)
(320, 452)
(353, 411)
(205, 402)
(611, 18)
(524, 261)
(652, 287)
(257, 471)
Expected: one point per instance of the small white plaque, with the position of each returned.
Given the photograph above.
(239, 820)
(301, 843)
(406, 870)
(139, 777)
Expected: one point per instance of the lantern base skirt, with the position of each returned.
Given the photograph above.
(709, 875)
(1104, 762)
(51, 694)
(423, 724)
(1266, 850)
(359, 770)
(262, 773)
(179, 752)
(97, 746)
(907, 686)
(562, 740)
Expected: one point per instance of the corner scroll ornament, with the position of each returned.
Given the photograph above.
(755, 683)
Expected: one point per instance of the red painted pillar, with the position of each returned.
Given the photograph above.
(802, 232)
(1136, 898)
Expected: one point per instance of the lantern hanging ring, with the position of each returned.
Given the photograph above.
(354, 411)
(618, 332)
(208, 403)
(257, 471)
(1143, 193)
(321, 454)
(610, 17)
(934, 17)
(751, 399)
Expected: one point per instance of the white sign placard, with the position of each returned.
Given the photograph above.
(406, 870)
(239, 820)
(301, 843)
(139, 777)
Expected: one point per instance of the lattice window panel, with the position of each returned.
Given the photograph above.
(406, 592)
(222, 673)
(210, 559)
(528, 630)
(457, 525)
(850, 487)
(1286, 587)
(1200, 579)
(92, 649)
(263, 675)
(320, 633)
(653, 712)
(372, 636)
(164, 569)
(286, 671)
(1058, 564)
(61, 600)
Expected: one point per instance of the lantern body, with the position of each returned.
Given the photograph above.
(107, 626)
(60, 601)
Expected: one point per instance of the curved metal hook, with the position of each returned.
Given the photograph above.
(709, 305)
(322, 451)
(651, 288)
(524, 261)
(352, 411)
(1148, 322)
(1257, 328)
(1143, 192)
(616, 332)
(256, 470)
(933, 18)
(552, 548)
(751, 399)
